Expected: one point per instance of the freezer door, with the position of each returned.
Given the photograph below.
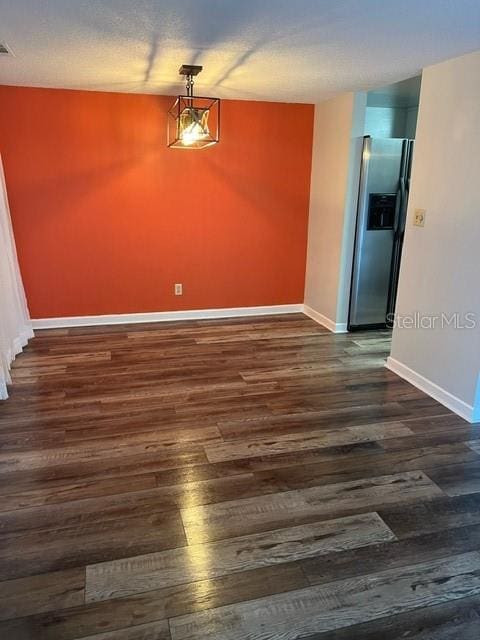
(377, 217)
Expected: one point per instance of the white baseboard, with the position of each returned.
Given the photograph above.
(164, 316)
(334, 327)
(193, 314)
(446, 398)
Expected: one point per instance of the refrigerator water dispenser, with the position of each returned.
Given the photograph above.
(381, 211)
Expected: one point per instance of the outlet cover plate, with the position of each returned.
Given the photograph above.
(419, 217)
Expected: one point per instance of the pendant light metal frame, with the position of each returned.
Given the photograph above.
(189, 102)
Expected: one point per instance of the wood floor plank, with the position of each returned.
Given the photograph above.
(311, 419)
(419, 440)
(143, 573)
(456, 620)
(263, 513)
(448, 422)
(40, 493)
(46, 592)
(223, 451)
(339, 604)
(356, 466)
(150, 631)
(105, 448)
(340, 454)
(430, 516)
(397, 553)
(47, 360)
(128, 465)
(458, 479)
(30, 439)
(27, 553)
(133, 503)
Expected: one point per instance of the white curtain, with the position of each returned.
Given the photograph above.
(15, 325)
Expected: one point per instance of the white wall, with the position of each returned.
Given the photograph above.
(350, 210)
(440, 270)
(334, 183)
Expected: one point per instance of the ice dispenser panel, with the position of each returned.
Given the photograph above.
(381, 211)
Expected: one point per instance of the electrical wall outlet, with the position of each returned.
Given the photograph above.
(419, 217)
(179, 289)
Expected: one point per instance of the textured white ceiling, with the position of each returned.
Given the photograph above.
(288, 50)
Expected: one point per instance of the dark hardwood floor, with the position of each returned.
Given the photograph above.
(250, 479)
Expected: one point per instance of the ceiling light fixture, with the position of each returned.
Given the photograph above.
(193, 121)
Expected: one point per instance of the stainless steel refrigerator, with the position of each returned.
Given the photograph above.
(380, 228)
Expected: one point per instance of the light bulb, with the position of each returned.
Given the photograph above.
(193, 125)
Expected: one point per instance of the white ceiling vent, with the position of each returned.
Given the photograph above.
(4, 50)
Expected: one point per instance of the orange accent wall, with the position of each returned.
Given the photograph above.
(107, 218)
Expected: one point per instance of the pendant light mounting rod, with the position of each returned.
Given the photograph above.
(190, 71)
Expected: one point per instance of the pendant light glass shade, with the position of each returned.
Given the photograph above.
(193, 121)
(194, 125)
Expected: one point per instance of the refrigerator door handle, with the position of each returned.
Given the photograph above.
(406, 180)
(399, 232)
(402, 181)
(403, 218)
(400, 227)
(398, 206)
